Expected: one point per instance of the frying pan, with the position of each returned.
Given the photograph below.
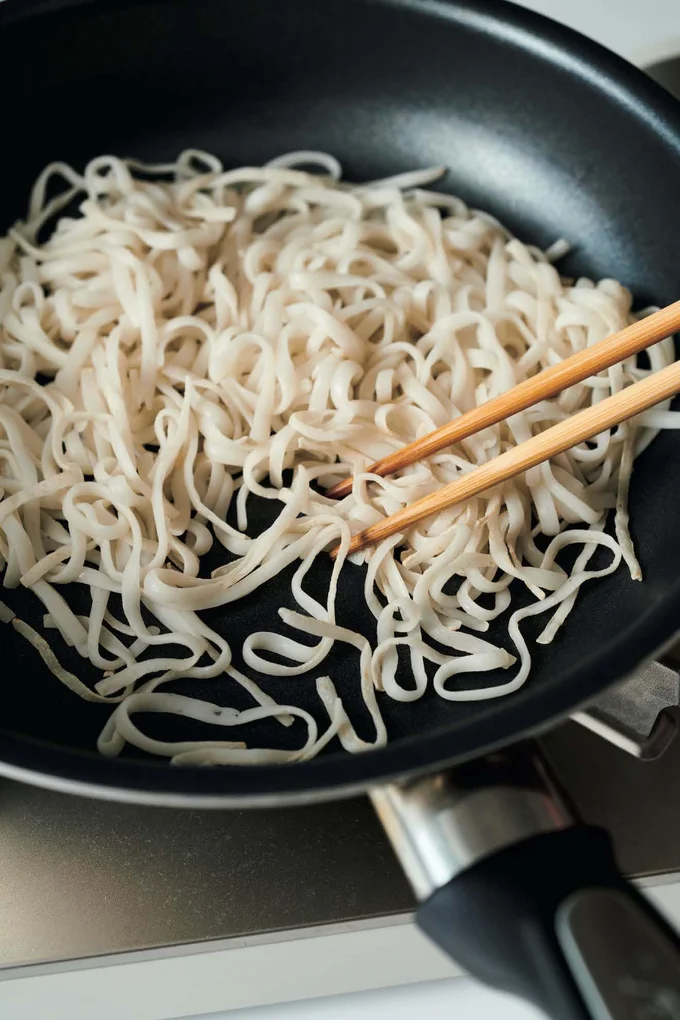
(558, 138)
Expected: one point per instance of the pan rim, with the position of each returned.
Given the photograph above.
(54, 767)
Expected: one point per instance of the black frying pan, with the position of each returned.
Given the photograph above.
(548, 131)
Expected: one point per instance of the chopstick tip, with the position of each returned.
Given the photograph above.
(340, 489)
(359, 541)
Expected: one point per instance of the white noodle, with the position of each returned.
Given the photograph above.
(205, 334)
(6, 614)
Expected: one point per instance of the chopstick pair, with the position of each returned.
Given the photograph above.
(566, 434)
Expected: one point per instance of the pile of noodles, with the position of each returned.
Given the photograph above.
(189, 334)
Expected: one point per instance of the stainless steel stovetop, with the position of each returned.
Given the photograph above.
(82, 877)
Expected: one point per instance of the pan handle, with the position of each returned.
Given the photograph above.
(525, 900)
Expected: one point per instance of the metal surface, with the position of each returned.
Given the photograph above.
(667, 73)
(647, 748)
(440, 825)
(638, 802)
(632, 714)
(82, 877)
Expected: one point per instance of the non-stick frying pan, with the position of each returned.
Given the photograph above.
(557, 137)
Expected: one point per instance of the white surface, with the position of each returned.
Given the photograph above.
(643, 31)
(242, 973)
(204, 982)
(457, 999)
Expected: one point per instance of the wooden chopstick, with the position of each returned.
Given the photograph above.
(579, 427)
(617, 347)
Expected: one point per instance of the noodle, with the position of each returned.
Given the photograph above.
(208, 336)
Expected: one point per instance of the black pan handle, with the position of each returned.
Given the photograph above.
(525, 900)
(551, 920)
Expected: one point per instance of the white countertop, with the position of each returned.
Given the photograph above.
(643, 31)
(455, 999)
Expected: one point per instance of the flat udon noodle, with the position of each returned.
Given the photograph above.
(203, 335)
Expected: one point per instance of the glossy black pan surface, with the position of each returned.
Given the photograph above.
(546, 130)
